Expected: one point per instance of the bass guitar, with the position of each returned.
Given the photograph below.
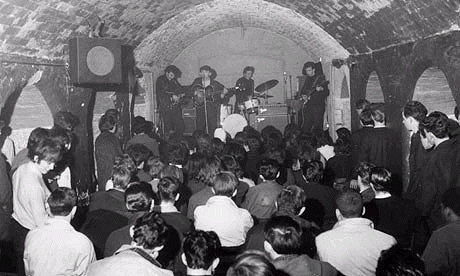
(208, 94)
(175, 98)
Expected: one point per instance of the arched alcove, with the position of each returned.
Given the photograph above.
(374, 92)
(30, 111)
(434, 92)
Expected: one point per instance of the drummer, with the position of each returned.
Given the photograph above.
(246, 88)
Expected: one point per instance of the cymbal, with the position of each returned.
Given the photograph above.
(262, 95)
(266, 85)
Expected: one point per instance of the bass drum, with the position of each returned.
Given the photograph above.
(252, 105)
(233, 124)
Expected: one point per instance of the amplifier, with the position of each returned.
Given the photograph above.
(189, 117)
(273, 109)
(279, 121)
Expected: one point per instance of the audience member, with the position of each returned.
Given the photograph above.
(284, 244)
(413, 114)
(442, 254)
(253, 263)
(201, 252)
(8, 148)
(192, 169)
(352, 246)
(358, 136)
(341, 164)
(22, 157)
(153, 167)
(60, 175)
(55, 248)
(260, 199)
(222, 215)
(230, 164)
(141, 137)
(399, 261)
(360, 105)
(149, 235)
(106, 148)
(140, 154)
(30, 193)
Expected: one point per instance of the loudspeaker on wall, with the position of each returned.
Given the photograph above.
(95, 61)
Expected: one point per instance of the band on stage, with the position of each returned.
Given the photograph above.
(210, 99)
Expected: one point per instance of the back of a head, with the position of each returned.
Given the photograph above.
(350, 203)
(168, 188)
(229, 163)
(153, 166)
(313, 171)
(451, 199)
(380, 178)
(378, 112)
(178, 154)
(269, 168)
(252, 263)
(172, 171)
(208, 173)
(201, 248)
(139, 153)
(107, 123)
(343, 133)
(284, 235)
(366, 117)
(437, 123)
(65, 120)
(363, 170)
(139, 197)
(237, 151)
(291, 200)
(61, 201)
(225, 184)
(138, 125)
(415, 110)
(62, 136)
(150, 231)
(37, 135)
(194, 165)
(122, 171)
(399, 261)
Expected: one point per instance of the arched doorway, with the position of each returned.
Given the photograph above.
(374, 92)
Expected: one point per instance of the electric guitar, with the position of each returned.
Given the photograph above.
(174, 99)
(208, 94)
(305, 97)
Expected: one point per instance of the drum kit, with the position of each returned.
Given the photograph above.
(236, 122)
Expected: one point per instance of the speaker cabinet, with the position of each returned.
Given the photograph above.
(279, 121)
(95, 61)
(189, 116)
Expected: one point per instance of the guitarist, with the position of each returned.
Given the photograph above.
(314, 93)
(201, 87)
(168, 90)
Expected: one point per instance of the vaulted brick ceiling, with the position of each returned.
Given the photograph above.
(162, 29)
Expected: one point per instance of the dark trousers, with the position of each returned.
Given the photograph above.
(172, 120)
(19, 238)
(213, 111)
(311, 118)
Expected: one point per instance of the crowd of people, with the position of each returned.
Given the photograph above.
(264, 203)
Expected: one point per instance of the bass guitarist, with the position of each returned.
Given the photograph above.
(169, 94)
(208, 94)
(313, 94)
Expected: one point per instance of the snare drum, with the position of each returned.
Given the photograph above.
(252, 105)
(233, 124)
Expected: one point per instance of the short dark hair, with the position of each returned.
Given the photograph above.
(291, 200)
(61, 201)
(269, 168)
(178, 153)
(62, 136)
(248, 68)
(225, 183)
(168, 188)
(378, 112)
(208, 173)
(173, 69)
(139, 153)
(313, 171)
(350, 203)
(229, 163)
(362, 104)
(363, 170)
(66, 120)
(139, 125)
(380, 179)
(366, 117)
(252, 263)
(172, 171)
(47, 149)
(284, 234)
(399, 261)
(236, 150)
(106, 123)
(194, 164)
(150, 231)
(451, 199)
(308, 64)
(201, 248)
(37, 135)
(436, 123)
(139, 196)
(415, 110)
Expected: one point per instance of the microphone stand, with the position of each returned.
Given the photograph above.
(206, 110)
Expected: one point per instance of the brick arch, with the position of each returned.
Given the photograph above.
(169, 40)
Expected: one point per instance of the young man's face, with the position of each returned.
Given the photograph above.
(310, 71)
(44, 166)
(409, 123)
(205, 74)
(248, 74)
